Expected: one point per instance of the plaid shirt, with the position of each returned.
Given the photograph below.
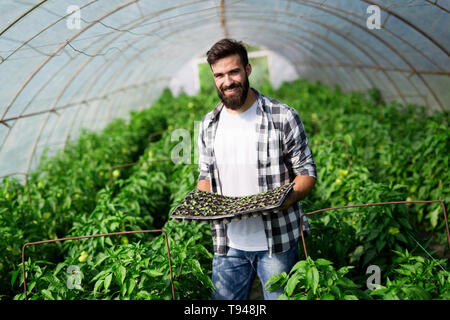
(282, 154)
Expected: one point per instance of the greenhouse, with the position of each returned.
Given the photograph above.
(103, 106)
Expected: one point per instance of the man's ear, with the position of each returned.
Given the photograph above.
(248, 69)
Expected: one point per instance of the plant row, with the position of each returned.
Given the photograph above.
(366, 151)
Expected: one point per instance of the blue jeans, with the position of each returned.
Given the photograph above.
(233, 274)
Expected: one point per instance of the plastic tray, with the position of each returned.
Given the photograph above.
(181, 213)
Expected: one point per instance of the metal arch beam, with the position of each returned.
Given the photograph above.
(175, 31)
(321, 47)
(346, 37)
(117, 72)
(411, 72)
(435, 3)
(26, 107)
(43, 30)
(90, 88)
(339, 48)
(42, 2)
(294, 45)
(310, 54)
(40, 67)
(143, 71)
(106, 97)
(23, 15)
(321, 7)
(45, 61)
(223, 22)
(389, 31)
(399, 93)
(21, 46)
(101, 98)
(414, 71)
(369, 80)
(300, 47)
(412, 25)
(58, 50)
(396, 69)
(340, 33)
(151, 15)
(314, 5)
(79, 69)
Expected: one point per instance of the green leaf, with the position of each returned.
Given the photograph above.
(58, 268)
(100, 258)
(276, 281)
(101, 274)
(292, 284)
(327, 296)
(154, 273)
(121, 274)
(97, 286)
(323, 262)
(370, 254)
(299, 266)
(346, 283)
(336, 291)
(131, 285)
(107, 282)
(47, 294)
(14, 277)
(434, 216)
(312, 278)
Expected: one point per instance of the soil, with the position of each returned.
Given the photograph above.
(201, 203)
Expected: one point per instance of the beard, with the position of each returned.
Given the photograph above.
(235, 101)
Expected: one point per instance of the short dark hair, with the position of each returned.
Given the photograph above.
(227, 47)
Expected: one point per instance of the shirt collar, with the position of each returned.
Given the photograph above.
(219, 107)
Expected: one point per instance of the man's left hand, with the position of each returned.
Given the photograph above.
(302, 187)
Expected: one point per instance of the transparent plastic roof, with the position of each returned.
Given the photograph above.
(67, 65)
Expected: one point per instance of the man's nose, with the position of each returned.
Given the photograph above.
(227, 80)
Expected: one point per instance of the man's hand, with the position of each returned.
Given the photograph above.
(204, 185)
(303, 186)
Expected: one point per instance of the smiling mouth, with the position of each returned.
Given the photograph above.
(231, 90)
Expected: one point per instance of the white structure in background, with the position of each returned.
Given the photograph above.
(187, 78)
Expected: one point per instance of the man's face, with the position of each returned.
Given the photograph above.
(231, 79)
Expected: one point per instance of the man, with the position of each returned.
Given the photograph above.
(249, 144)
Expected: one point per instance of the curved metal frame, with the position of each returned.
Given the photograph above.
(354, 43)
(387, 44)
(59, 49)
(328, 9)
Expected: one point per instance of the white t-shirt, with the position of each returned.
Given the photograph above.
(236, 156)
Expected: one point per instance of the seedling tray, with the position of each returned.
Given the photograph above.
(203, 206)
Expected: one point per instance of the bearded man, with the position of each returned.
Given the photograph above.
(250, 143)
